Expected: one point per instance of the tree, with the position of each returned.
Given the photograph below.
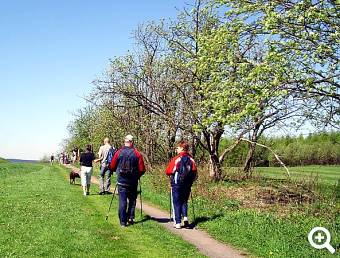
(305, 32)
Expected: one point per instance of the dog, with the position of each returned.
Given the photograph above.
(73, 176)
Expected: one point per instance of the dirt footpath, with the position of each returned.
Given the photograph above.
(204, 243)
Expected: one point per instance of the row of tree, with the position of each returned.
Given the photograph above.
(222, 67)
(315, 149)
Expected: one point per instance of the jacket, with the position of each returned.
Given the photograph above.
(174, 166)
(136, 162)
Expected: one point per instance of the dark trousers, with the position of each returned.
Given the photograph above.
(180, 197)
(127, 203)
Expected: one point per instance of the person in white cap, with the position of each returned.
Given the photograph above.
(129, 165)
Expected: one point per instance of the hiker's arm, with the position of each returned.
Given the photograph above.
(97, 160)
(81, 160)
(100, 155)
(194, 169)
(141, 166)
(171, 167)
(114, 161)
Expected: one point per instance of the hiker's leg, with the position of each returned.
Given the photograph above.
(177, 203)
(108, 180)
(83, 178)
(185, 198)
(101, 178)
(122, 205)
(132, 195)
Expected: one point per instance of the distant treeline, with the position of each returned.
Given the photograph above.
(315, 149)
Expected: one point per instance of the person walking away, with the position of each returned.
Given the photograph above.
(86, 163)
(104, 152)
(129, 165)
(74, 156)
(51, 159)
(182, 171)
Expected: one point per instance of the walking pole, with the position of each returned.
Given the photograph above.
(170, 206)
(113, 195)
(193, 209)
(141, 203)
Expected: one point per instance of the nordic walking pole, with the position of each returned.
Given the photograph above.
(141, 203)
(193, 208)
(170, 205)
(113, 195)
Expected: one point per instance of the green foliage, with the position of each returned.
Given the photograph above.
(241, 66)
(306, 34)
(315, 149)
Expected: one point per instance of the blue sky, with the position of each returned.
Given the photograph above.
(50, 51)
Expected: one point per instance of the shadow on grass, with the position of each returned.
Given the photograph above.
(78, 184)
(145, 218)
(203, 219)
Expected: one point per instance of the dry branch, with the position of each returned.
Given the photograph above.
(276, 156)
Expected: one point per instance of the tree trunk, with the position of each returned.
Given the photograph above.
(215, 168)
(171, 144)
(193, 147)
(249, 159)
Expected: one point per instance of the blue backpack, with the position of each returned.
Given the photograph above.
(185, 174)
(110, 155)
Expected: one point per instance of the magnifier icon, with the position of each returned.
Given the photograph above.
(322, 233)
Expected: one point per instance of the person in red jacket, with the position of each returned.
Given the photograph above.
(129, 165)
(182, 171)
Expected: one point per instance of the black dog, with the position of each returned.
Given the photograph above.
(73, 176)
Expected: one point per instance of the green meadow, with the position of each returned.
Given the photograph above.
(329, 174)
(268, 215)
(42, 215)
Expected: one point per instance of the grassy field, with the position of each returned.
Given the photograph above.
(329, 174)
(41, 215)
(3, 161)
(269, 217)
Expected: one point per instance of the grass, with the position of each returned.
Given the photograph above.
(41, 215)
(2, 160)
(329, 174)
(273, 229)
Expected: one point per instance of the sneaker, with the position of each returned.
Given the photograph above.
(87, 193)
(178, 226)
(131, 222)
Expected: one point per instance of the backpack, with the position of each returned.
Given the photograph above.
(125, 167)
(185, 174)
(110, 155)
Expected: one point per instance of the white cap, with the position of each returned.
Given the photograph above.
(129, 138)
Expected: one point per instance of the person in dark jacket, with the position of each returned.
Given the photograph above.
(86, 161)
(182, 171)
(129, 165)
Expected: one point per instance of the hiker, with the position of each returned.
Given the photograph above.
(51, 159)
(129, 165)
(86, 159)
(105, 154)
(74, 156)
(182, 172)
